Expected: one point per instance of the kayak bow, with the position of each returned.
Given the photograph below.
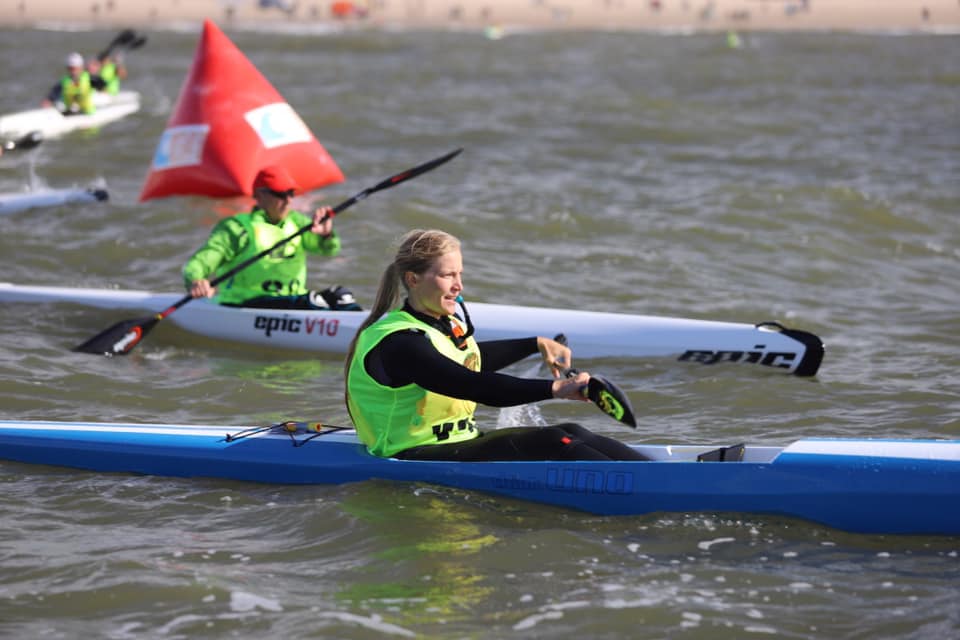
(17, 202)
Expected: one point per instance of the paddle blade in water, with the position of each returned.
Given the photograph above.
(611, 400)
(121, 338)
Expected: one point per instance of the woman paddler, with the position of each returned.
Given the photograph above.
(414, 373)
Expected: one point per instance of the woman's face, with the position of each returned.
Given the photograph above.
(434, 292)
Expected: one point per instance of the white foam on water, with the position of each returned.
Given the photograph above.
(706, 544)
(373, 622)
(757, 629)
(524, 415)
(242, 601)
(532, 621)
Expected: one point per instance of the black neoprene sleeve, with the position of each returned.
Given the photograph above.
(407, 357)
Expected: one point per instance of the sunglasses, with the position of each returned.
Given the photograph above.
(283, 195)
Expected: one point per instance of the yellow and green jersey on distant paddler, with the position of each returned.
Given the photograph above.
(389, 420)
(108, 73)
(77, 94)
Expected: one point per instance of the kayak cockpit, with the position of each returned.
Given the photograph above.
(708, 453)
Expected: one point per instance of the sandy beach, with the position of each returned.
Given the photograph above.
(685, 15)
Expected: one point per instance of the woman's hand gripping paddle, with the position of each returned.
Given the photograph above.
(121, 338)
(605, 394)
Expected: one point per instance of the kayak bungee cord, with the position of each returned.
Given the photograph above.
(290, 427)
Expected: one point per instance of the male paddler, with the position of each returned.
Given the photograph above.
(277, 280)
(110, 70)
(75, 89)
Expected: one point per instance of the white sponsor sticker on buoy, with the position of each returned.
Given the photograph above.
(181, 147)
(278, 124)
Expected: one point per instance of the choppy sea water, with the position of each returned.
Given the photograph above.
(808, 179)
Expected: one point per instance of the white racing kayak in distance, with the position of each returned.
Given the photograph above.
(51, 123)
(593, 334)
(17, 202)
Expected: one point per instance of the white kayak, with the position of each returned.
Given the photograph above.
(592, 334)
(51, 123)
(17, 202)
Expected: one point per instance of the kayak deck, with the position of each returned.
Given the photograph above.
(873, 486)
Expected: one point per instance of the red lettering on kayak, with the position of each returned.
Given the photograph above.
(324, 326)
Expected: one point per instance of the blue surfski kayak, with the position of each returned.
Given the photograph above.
(869, 486)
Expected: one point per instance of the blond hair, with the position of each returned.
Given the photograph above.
(417, 252)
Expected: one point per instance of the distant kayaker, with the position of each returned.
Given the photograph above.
(110, 70)
(414, 373)
(75, 89)
(278, 280)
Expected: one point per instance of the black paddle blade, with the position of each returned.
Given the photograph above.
(426, 166)
(606, 395)
(137, 42)
(29, 141)
(121, 338)
(611, 400)
(125, 37)
(394, 180)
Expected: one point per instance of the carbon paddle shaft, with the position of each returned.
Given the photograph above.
(122, 337)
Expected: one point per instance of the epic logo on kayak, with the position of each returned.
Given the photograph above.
(286, 324)
(779, 359)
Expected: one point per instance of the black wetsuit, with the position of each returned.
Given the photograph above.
(408, 357)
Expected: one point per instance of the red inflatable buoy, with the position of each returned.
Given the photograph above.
(228, 123)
